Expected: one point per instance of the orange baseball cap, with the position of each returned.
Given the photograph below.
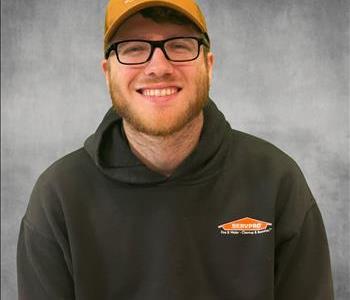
(118, 11)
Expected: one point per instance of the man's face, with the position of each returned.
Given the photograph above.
(158, 97)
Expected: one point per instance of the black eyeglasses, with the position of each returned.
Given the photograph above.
(177, 49)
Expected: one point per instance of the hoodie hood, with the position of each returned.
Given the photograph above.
(109, 149)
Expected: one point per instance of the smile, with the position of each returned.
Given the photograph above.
(159, 92)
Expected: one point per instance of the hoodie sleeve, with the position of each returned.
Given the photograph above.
(43, 258)
(302, 269)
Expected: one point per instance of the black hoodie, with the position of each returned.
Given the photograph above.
(236, 220)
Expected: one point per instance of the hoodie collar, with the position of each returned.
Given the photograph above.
(110, 151)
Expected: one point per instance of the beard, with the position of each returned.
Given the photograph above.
(162, 124)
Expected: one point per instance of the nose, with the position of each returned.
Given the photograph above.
(158, 65)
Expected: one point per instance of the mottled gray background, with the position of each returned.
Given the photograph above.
(282, 73)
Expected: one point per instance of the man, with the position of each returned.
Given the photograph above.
(165, 200)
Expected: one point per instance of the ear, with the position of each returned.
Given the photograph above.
(210, 63)
(105, 69)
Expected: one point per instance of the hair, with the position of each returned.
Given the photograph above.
(162, 14)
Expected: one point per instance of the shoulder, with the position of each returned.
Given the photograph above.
(267, 166)
(64, 177)
(69, 175)
(67, 170)
(256, 152)
(73, 162)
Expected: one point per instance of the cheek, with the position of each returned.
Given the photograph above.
(194, 76)
(124, 78)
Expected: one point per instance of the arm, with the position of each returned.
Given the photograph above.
(44, 268)
(302, 267)
(42, 271)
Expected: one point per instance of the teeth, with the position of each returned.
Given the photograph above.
(159, 92)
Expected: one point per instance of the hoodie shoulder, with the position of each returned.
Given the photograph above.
(65, 176)
(45, 206)
(262, 162)
(259, 152)
(72, 164)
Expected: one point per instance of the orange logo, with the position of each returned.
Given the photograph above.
(245, 226)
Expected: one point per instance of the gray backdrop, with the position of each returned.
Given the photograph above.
(281, 72)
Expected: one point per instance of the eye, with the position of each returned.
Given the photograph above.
(181, 45)
(132, 48)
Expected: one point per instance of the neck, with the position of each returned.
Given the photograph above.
(163, 154)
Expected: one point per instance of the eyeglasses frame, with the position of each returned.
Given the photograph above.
(154, 45)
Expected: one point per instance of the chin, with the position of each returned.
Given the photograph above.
(161, 125)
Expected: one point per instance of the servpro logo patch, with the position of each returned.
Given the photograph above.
(245, 226)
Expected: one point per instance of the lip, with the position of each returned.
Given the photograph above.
(159, 100)
(158, 86)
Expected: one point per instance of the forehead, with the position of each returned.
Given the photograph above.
(138, 27)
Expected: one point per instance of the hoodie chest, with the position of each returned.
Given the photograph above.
(170, 234)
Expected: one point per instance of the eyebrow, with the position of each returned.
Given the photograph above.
(156, 40)
(146, 36)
